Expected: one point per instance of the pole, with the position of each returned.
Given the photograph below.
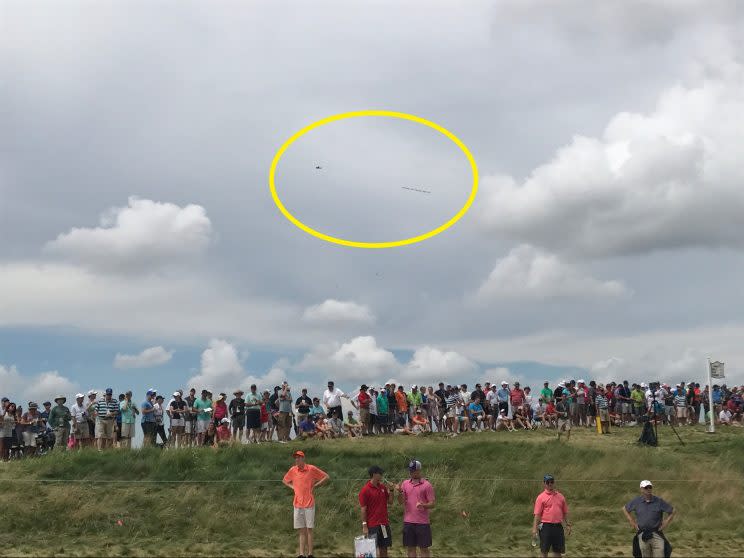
(712, 427)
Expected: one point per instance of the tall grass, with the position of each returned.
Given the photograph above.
(231, 502)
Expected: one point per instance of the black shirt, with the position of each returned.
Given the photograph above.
(303, 404)
(237, 407)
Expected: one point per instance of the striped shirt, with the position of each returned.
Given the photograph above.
(451, 400)
(601, 401)
(680, 400)
(103, 407)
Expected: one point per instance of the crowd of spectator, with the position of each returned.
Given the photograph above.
(105, 421)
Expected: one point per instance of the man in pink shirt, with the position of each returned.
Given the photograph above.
(417, 496)
(551, 512)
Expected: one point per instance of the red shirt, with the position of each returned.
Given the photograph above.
(223, 432)
(375, 499)
(551, 507)
(264, 413)
(550, 408)
(220, 410)
(517, 397)
(364, 400)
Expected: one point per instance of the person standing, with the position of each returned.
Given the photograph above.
(79, 412)
(237, 415)
(302, 406)
(253, 415)
(416, 494)
(332, 400)
(106, 411)
(364, 400)
(175, 411)
(649, 523)
(148, 420)
(303, 478)
(374, 499)
(59, 421)
(284, 419)
(550, 514)
(128, 411)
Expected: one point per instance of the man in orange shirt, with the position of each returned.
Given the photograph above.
(551, 512)
(401, 398)
(302, 479)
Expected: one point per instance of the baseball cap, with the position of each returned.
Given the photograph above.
(176, 393)
(225, 421)
(645, 483)
(92, 392)
(150, 392)
(548, 478)
(580, 381)
(109, 391)
(414, 465)
(414, 386)
(4, 399)
(298, 453)
(79, 396)
(504, 383)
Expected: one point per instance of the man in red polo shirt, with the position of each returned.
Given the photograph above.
(374, 498)
(551, 512)
(303, 479)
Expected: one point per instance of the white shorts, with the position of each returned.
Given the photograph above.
(29, 439)
(127, 430)
(201, 426)
(176, 423)
(188, 425)
(304, 517)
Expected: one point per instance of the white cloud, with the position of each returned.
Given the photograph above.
(429, 364)
(147, 358)
(143, 236)
(527, 272)
(664, 180)
(336, 311)
(222, 371)
(38, 388)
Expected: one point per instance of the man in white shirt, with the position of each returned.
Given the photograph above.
(725, 416)
(332, 400)
(79, 412)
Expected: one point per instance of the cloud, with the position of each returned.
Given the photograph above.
(143, 236)
(38, 388)
(362, 359)
(429, 364)
(146, 359)
(668, 179)
(335, 311)
(222, 371)
(527, 272)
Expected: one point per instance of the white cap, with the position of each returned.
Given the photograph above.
(92, 392)
(414, 386)
(580, 382)
(153, 390)
(225, 421)
(176, 393)
(644, 384)
(79, 395)
(504, 383)
(645, 483)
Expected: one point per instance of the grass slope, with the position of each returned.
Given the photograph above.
(493, 476)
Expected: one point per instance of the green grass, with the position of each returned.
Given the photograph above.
(493, 476)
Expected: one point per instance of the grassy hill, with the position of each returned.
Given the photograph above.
(230, 502)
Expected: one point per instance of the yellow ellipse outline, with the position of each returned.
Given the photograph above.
(353, 243)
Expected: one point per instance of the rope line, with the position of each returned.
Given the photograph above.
(237, 481)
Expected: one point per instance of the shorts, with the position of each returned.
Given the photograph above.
(504, 406)
(127, 430)
(452, 412)
(626, 408)
(304, 518)
(29, 439)
(177, 423)
(265, 426)
(238, 421)
(105, 429)
(551, 536)
(253, 419)
(604, 415)
(564, 424)
(681, 412)
(382, 534)
(81, 431)
(201, 426)
(417, 535)
(190, 426)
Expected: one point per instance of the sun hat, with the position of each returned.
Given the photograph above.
(62, 397)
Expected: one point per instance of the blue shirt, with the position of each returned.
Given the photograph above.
(475, 408)
(503, 395)
(716, 396)
(307, 426)
(149, 417)
(316, 410)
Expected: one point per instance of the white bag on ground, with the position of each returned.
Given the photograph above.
(365, 547)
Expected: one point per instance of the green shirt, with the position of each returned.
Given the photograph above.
(127, 414)
(200, 404)
(382, 404)
(546, 394)
(414, 398)
(251, 400)
(637, 396)
(59, 416)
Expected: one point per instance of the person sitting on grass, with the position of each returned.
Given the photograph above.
(550, 417)
(336, 425)
(521, 418)
(323, 429)
(307, 428)
(352, 425)
(477, 415)
(503, 422)
(223, 432)
(210, 436)
(419, 423)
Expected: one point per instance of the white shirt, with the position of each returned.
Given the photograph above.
(724, 415)
(78, 412)
(373, 405)
(492, 399)
(333, 398)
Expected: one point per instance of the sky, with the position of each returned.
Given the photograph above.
(141, 246)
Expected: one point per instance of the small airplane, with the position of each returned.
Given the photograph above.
(416, 190)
